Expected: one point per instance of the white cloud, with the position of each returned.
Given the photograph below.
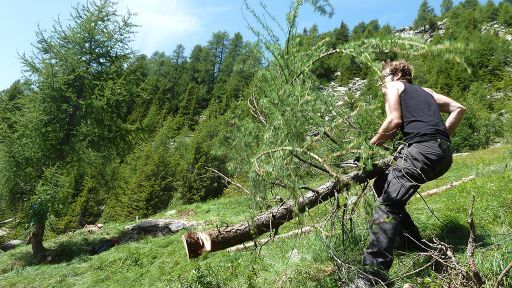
(160, 21)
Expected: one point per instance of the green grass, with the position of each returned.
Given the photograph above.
(162, 262)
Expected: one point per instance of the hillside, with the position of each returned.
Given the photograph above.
(97, 134)
(291, 262)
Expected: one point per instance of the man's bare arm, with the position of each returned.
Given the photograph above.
(393, 119)
(453, 108)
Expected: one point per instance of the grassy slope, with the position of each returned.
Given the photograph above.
(296, 262)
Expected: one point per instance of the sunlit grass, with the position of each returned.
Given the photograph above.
(291, 262)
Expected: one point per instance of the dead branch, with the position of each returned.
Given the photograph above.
(319, 159)
(475, 274)
(6, 221)
(255, 111)
(229, 180)
(328, 53)
(330, 137)
(502, 275)
(460, 154)
(446, 187)
(303, 230)
(310, 164)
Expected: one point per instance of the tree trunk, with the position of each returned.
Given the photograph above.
(197, 243)
(36, 239)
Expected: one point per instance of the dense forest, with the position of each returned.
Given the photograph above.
(98, 133)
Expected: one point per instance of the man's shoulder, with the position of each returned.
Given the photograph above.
(428, 90)
(395, 85)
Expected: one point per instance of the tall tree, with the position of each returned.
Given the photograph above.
(470, 4)
(446, 6)
(505, 13)
(490, 11)
(426, 16)
(358, 31)
(73, 124)
(372, 28)
(341, 34)
(218, 46)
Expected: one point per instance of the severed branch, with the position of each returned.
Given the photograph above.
(477, 278)
(310, 164)
(446, 187)
(255, 111)
(326, 168)
(304, 230)
(229, 180)
(198, 243)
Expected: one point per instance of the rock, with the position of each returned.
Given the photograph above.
(158, 226)
(355, 86)
(4, 231)
(426, 32)
(93, 228)
(172, 212)
(11, 245)
(498, 30)
(294, 255)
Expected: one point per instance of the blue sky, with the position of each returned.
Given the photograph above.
(166, 23)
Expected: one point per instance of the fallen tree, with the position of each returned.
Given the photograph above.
(198, 243)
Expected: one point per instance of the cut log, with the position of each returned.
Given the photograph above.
(446, 187)
(6, 221)
(197, 243)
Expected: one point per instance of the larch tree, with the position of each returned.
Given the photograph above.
(446, 6)
(426, 16)
(73, 123)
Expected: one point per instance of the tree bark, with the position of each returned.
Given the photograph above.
(36, 239)
(197, 243)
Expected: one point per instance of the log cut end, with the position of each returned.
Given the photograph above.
(196, 244)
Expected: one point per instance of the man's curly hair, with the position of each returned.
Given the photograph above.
(405, 69)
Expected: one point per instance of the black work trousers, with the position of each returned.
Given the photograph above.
(415, 164)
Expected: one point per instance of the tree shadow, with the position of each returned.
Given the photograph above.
(65, 251)
(91, 244)
(68, 250)
(456, 235)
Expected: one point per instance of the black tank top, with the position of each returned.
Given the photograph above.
(421, 119)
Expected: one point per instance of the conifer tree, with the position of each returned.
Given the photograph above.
(358, 31)
(426, 16)
(490, 11)
(341, 34)
(505, 13)
(446, 6)
(74, 121)
(470, 4)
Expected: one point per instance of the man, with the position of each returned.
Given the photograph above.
(425, 155)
